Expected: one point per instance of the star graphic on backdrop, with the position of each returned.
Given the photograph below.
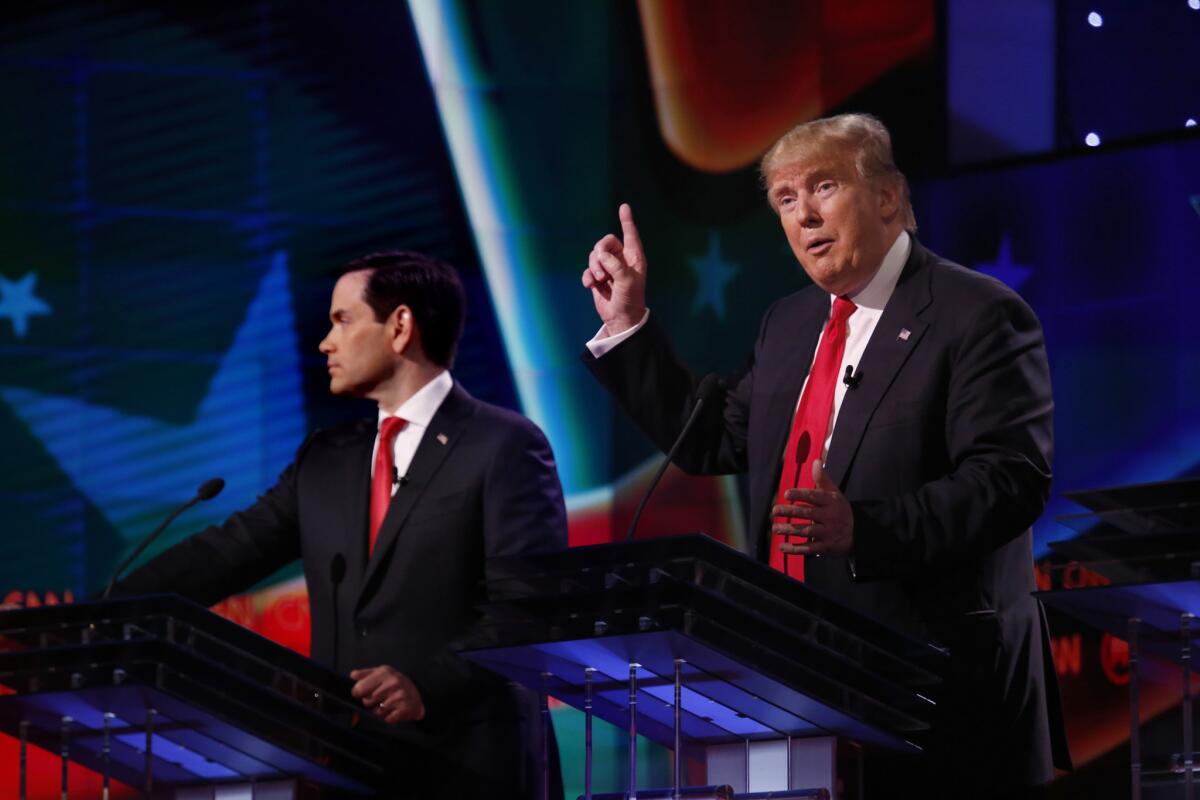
(18, 302)
(246, 427)
(1004, 268)
(712, 276)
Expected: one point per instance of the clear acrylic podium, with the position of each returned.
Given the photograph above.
(707, 651)
(1144, 541)
(163, 695)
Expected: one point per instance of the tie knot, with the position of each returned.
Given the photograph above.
(842, 309)
(390, 427)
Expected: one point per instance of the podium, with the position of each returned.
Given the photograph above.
(707, 651)
(165, 696)
(1144, 543)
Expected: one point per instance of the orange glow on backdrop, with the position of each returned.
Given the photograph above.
(730, 78)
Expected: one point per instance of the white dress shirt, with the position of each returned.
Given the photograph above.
(870, 302)
(418, 412)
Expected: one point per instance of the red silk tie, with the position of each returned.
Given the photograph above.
(810, 425)
(381, 481)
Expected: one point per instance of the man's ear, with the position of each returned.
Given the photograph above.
(402, 329)
(890, 195)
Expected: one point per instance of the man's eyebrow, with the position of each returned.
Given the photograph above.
(802, 178)
(781, 186)
(338, 314)
(820, 171)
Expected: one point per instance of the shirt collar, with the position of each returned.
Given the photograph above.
(879, 290)
(420, 408)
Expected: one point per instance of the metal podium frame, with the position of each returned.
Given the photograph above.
(704, 650)
(1145, 539)
(161, 694)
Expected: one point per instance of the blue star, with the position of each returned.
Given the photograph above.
(1003, 268)
(246, 427)
(712, 276)
(18, 303)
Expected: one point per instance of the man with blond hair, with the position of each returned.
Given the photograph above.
(896, 423)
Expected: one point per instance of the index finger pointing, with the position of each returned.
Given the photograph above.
(629, 232)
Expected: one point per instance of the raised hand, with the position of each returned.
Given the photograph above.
(616, 274)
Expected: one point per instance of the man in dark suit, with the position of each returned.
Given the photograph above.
(394, 518)
(896, 422)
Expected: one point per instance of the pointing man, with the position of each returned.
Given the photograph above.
(906, 491)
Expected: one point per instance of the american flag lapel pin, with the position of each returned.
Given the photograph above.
(904, 334)
(442, 438)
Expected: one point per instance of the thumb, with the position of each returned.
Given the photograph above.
(821, 480)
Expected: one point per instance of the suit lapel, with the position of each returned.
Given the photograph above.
(794, 351)
(440, 438)
(896, 336)
(357, 491)
(801, 346)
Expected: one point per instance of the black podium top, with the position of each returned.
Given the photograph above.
(1138, 533)
(763, 655)
(1139, 549)
(222, 703)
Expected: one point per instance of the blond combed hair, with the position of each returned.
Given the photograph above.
(861, 134)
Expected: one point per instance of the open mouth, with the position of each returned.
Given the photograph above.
(819, 247)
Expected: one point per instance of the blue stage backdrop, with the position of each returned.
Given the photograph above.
(179, 181)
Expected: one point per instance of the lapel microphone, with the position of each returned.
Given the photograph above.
(397, 478)
(851, 379)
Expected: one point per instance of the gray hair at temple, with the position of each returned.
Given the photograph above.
(862, 135)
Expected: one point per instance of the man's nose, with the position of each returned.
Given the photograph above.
(325, 346)
(807, 211)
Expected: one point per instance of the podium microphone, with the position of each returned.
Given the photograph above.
(207, 491)
(710, 385)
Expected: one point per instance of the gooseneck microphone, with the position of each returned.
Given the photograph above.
(207, 491)
(710, 385)
(337, 571)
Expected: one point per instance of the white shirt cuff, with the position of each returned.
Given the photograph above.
(600, 344)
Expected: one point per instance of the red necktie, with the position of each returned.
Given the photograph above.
(381, 482)
(810, 425)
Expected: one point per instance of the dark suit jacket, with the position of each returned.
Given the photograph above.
(490, 489)
(944, 451)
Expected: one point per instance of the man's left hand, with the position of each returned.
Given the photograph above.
(830, 527)
(389, 693)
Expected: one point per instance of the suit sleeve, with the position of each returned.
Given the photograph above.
(523, 502)
(523, 513)
(227, 559)
(650, 384)
(999, 439)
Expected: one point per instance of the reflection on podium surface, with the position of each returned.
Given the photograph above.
(1132, 570)
(159, 694)
(703, 649)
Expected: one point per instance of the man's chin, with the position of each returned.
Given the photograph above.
(340, 389)
(840, 283)
(828, 280)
